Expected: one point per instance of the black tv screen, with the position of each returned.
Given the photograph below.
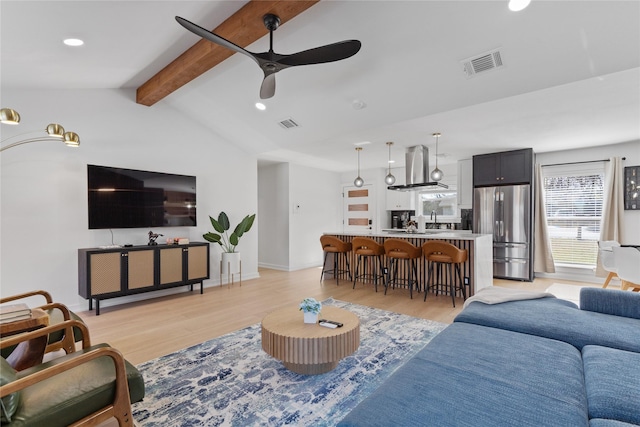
(128, 198)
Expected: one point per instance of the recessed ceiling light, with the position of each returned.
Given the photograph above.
(392, 161)
(518, 5)
(260, 106)
(73, 42)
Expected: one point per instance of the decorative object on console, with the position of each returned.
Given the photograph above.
(152, 238)
(436, 174)
(310, 307)
(55, 132)
(358, 182)
(389, 179)
(271, 62)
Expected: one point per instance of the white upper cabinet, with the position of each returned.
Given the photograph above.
(400, 200)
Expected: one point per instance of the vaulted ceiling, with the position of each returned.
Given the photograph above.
(570, 76)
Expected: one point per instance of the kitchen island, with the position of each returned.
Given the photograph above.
(478, 269)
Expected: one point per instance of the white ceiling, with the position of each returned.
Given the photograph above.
(571, 76)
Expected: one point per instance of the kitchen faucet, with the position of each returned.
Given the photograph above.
(436, 214)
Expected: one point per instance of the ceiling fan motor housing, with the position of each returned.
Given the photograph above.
(271, 21)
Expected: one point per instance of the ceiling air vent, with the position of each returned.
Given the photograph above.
(482, 63)
(288, 123)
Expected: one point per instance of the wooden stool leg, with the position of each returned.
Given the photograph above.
(610, 276)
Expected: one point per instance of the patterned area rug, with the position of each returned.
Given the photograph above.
(231, 381)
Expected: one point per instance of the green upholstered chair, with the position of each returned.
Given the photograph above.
(85, 387)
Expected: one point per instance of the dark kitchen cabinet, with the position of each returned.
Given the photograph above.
(505, 168)
(116, 272)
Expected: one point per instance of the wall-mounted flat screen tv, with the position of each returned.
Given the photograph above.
(128, 198)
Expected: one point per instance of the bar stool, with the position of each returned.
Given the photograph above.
(439, 253)
(364, 248)
(331, 244)
(396, 250)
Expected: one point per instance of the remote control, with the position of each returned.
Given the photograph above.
(328, 325)
(331, 322)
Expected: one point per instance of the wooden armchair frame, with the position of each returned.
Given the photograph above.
(121, 405)
(67, 343)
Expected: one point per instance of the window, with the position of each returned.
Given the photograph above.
(573, 198)
(443, 203)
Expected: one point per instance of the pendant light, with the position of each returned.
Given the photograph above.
(436, 174)
(389, 179)
(358, 182)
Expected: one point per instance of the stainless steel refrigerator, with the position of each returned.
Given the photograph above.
(505, 212)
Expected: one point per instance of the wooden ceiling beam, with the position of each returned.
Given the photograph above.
(242, 28)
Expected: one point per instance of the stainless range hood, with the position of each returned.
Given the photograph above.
(417, 170)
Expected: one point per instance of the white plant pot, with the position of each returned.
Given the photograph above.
(310, 317)
(230, 263)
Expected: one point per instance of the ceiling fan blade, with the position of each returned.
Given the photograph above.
(268, 88)
(208, 35)
(329, 53)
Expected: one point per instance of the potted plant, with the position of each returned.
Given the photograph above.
(228, 242)
(311, 309)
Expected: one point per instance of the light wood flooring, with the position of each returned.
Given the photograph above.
(151, 328)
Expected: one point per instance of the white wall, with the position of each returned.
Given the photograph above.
(273, 216)
(43, 214)
(296, 204)
(315, 206)
(630, 150)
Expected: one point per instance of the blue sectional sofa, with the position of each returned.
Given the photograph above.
(534, 362)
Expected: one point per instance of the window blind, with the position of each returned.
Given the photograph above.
(573, 198)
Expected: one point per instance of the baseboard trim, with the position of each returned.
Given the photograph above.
(211, 283)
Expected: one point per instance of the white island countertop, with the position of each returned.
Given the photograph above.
(428, 234)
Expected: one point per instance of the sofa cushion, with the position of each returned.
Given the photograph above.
(8, 404)
(612, 379)
(610, 301)
(471, 375)
(550, 318)
(65, 398)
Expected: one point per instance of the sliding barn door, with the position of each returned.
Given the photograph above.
(358, 208)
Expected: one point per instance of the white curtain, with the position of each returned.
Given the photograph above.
(543, 258)
(611, 224)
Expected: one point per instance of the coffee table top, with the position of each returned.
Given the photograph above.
(285, 336)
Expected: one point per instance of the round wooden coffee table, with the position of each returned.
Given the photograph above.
(308, 348)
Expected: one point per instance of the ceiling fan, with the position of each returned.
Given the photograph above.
(271, 62)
